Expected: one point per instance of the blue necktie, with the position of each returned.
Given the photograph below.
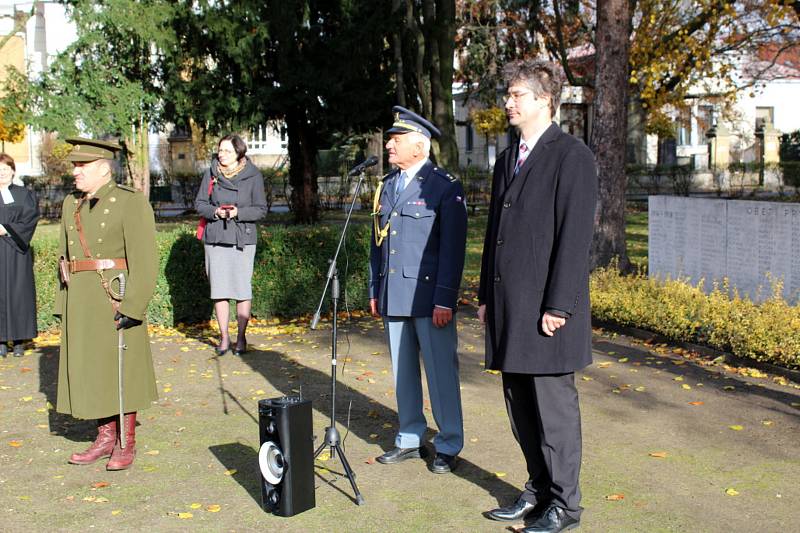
(401, 184)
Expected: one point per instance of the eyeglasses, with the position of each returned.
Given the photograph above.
(516, 96)
(226, 151)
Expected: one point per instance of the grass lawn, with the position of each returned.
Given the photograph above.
(636, 232)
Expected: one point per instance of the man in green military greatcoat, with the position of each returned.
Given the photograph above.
(106, 230)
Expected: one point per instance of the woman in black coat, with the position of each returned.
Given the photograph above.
(231, 199)
(19, 214)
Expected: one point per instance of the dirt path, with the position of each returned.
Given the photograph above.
(687, 446)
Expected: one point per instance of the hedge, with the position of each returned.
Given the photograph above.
(288, 276)
(769, 331)
(291, 264)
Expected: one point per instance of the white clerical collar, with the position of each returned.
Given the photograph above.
(6, 194)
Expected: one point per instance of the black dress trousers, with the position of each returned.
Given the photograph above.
(546, 421)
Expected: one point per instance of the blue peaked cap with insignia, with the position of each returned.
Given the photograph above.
(406, 121)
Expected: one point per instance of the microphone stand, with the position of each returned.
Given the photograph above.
(332, 438)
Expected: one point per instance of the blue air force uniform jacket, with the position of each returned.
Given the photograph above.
(420, 262)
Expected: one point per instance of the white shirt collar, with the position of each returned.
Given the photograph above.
(8, 198)
(530, 143)
(413, 170)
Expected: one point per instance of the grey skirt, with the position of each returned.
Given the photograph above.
(230, 271)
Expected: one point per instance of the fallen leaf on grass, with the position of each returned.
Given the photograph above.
(373, 435)
(473, 439)
(658, 455)
(731, 492)
(623, 360)
(605, 364)
(587, 378)
(500, 474)
(387, 425)
(677, 378)
(695, 403)
(728, 387)
(152, 452)
(324, 456)
(100, 484)
(26, 398)
(370, 461)
(25, 369)
(184, 516)
(767, 422)
(213, 508)
(736, 427)
(615, 497)
(196, 506)
(231, 472)
(15, 443)
(686, 386)
(639, 389)
(115, 512)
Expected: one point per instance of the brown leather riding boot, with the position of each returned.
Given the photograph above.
(122, 458)
(102, 446)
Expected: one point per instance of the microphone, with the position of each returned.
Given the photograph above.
(371, 161)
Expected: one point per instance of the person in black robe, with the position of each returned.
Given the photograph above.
(19, 214)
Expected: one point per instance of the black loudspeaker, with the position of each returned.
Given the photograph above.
(286, 456)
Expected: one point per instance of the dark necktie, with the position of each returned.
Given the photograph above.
(523, 155)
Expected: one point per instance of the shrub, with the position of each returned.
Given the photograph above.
(769, 331)
(288, 276)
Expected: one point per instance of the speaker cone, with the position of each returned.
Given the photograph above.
(271, 462)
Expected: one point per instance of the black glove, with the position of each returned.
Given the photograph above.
(125, 322)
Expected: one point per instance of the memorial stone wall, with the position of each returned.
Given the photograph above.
(749, 243)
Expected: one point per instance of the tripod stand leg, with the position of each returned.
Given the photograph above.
(350, 475)
(319, 450)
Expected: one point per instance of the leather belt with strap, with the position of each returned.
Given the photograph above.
(82, 265)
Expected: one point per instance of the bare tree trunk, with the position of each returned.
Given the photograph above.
(397, 43)
(441, 41)
(609, 129)
(302, 168)
(419, 51)
(138, 156)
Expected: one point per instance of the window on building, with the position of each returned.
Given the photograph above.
(574, 119)
(764, 115)
(684, 127)
(705, 120)
(469, 142)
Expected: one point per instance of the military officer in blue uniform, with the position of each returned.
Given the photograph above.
(416, 262)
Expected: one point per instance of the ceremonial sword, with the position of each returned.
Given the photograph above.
(121, 367)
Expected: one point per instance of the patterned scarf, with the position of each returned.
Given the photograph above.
(230, 174)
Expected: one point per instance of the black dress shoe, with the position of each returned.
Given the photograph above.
(552, 520)
(19, 349)
(240, 348)
(443, 463)
(222, 351)
(397, 455)
(516, 511)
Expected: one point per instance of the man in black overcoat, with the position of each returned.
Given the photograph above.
(534, 293)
